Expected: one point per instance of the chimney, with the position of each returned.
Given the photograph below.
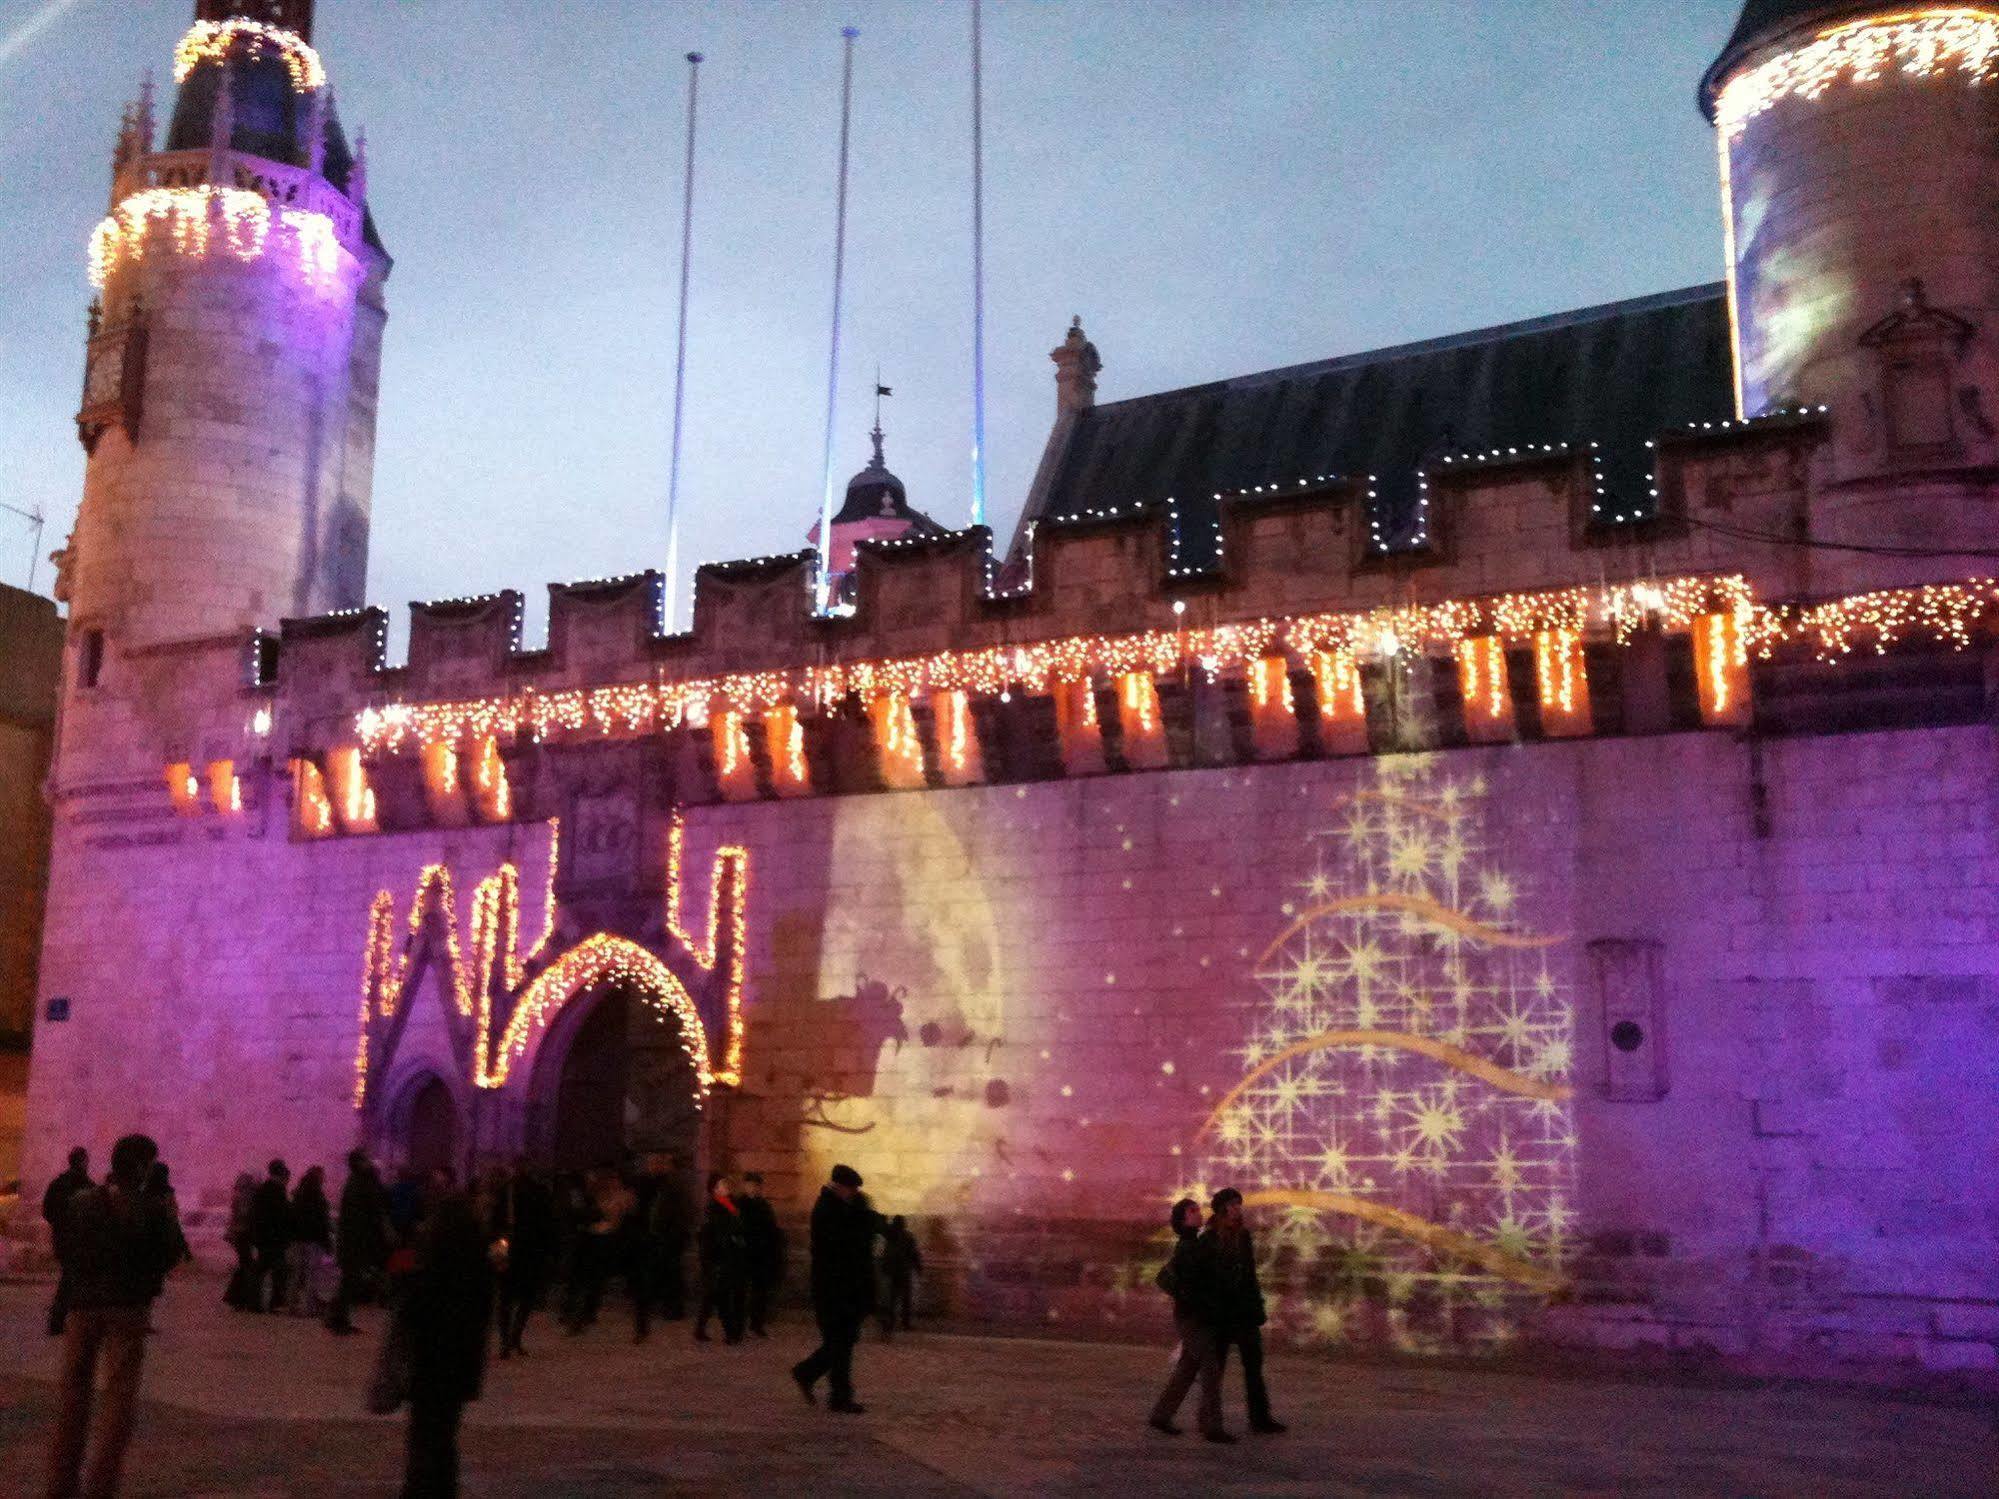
(1076, 366)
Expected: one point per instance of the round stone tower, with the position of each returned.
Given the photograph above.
(1860, 177)
(235, 349)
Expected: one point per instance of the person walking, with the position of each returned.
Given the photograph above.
(311, 1247)
(241, 1290)
(667, 1230)
(446, 1303)
(360, 1241)
(902, 1262)
(1196, 1358)
(843, 1287)
(524, 1239)
(55, 1212)
(1229, 1299)
(270, 1237)
(725, 1262)
(122, 1245)
(764, 1241)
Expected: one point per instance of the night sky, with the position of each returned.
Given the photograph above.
(1217, 188)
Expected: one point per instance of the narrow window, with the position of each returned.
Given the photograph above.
(90, 658)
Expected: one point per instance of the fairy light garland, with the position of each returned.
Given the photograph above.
(604, 960)
(997, 671)
(214, 41)
(731, 864)
(231, 221)
(1961, 39)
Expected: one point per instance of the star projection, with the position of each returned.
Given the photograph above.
(1401, 1126)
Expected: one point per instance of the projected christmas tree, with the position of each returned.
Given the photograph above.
(1402, 1125)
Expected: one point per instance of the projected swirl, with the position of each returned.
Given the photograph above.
(1403, 1115)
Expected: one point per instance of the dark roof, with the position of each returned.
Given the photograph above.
(1767, 20)
(1616, 375)
(267, 110)
(875, 494)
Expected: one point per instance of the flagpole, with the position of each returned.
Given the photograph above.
(670, 605)
(978, 275)
(825, 582)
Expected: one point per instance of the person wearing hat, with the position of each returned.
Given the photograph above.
(844, 1226)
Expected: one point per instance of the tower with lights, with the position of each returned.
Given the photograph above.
(1860, 205)
(234, 354)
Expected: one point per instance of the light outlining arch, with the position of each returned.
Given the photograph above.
(602, 959)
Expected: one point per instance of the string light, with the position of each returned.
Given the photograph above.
(1141, 729)
(1916, 44)
(1948, 613)
(492, 792)
(790, 773)
(185, 789)
(1487, 694)
(314, 806)
(728, 900)
(1273, 715)
(225, 788)
(899, 744)
(957, 738)
(231, 220)
(735, 770)
(213, 41)
(1561, 681)
(604, 960)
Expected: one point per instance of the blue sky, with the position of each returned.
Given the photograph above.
(1216, 187)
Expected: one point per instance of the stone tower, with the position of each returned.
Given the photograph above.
(235, 350)
(1860, 176)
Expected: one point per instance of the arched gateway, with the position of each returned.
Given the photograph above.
(611, 1045)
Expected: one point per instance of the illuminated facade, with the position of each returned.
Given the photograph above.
(1519, 806)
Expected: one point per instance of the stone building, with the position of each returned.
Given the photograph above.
(1519, 805)
(30, 680)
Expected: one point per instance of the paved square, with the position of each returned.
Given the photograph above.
(270, 1406)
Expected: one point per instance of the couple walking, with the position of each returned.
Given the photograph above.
(1217, 1305)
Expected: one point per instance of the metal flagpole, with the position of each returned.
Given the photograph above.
(825, 583)
(978, 277)
(671, 602)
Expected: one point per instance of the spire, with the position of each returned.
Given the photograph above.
(142, 114)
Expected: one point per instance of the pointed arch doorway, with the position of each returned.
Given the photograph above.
(614, 1079)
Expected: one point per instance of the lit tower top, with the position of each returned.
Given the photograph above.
(1854, 165)
(234, 360)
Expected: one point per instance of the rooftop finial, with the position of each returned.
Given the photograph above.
(1076, 367)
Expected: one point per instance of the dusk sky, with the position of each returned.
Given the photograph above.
(1216, 187)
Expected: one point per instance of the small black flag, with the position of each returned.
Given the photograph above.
(883, 390)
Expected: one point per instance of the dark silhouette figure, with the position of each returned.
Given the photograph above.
(447, 1300)
(1180, 1280)
(843, 1287)
(55, 1212)
(1229, 1299)
(902, 1262)
(160, 1187)
(668, 1223)
(361, 1241)
(270, 1238)
(242, 1284)
(311, 1241)
(725, 1262)
(765, 1242)
(121, 1246)
(523, 1236)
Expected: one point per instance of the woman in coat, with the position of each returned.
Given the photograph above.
(725, 1262)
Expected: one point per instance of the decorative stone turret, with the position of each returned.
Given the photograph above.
(230, 387)
(1076, 368)
(1857, 179)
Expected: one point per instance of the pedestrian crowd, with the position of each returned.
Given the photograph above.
(453, 1264)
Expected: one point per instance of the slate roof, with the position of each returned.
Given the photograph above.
(1616, 375)
(1765, 20)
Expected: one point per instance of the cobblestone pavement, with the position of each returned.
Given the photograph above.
(244, 1406)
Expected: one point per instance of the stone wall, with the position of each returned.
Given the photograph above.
(1391, 998)
(30, 667)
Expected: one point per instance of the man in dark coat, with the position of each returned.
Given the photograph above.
(122, 1242)
(55, 1212)
(843, 1287)
(765, 1241)
(361, 1243)
(447, 1301)
(1180, 1280)
(1228, 1299)
(270, 1237)
(524, 1222)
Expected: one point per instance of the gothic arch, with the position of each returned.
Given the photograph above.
(593, 964)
